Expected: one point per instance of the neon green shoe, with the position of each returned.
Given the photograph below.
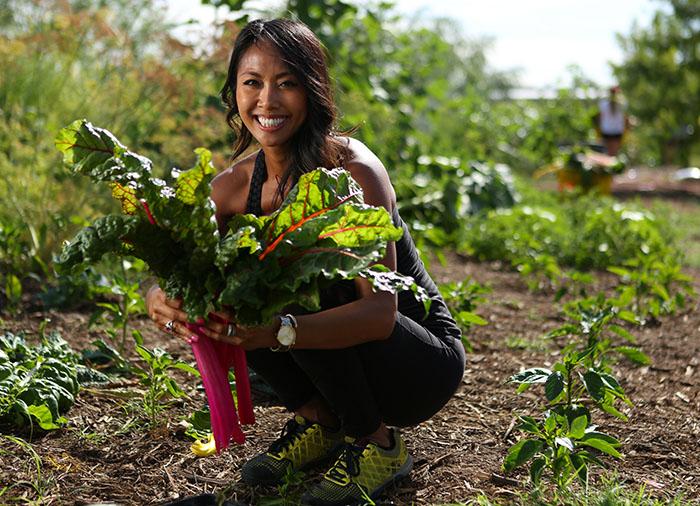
(300, 446)
(360, 473)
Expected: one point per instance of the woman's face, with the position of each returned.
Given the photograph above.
(271, 101)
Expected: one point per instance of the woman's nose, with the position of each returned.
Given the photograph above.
(268, 97)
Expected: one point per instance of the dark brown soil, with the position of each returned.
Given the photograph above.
(109, 453)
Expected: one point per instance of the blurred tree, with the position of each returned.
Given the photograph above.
(660, 75)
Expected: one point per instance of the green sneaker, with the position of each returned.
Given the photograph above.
(300, 446)
(360, 473)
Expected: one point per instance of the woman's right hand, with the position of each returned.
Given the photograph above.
(167, 313)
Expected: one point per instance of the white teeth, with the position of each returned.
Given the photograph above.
(270, 122)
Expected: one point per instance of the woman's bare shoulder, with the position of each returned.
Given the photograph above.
(369, 171)
(359, 153)
(229, 189)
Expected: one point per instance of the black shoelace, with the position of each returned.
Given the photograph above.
(290, 433)
(348, 464)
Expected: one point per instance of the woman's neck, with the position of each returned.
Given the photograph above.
(276, 161)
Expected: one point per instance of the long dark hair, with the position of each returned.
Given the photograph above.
(315, 143)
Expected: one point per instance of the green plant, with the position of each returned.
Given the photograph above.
(288, 491)
(653, 286)
(462, 299)
(444, 190)
(611, 490)
(40, 484)
(564, 441)
(198, 425)
(17, 258)
(105, 358)
(37, 383)
(123, 285)
(157, 378)
(584, 233)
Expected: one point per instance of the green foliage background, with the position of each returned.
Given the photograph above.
(415, 90)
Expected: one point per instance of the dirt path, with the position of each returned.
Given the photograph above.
(106, 455)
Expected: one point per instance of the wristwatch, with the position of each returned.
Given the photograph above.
(287, 333)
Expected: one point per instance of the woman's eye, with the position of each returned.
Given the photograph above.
(288, 84)
(250, 82)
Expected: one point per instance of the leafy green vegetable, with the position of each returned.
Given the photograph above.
(37, 383)
(322, 232)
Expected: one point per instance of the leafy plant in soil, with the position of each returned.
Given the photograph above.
(123, 289)
(653, 286)
(445, 191)
(462, 299)
(37, 383)
(16, 257)
(585, 233)
(157, 379)
(564, 441)
(40, 485)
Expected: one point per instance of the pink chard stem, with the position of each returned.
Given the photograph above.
(214, 372)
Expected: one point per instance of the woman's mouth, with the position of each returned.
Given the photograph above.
(270, 123)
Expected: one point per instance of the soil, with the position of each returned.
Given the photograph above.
(109, 453)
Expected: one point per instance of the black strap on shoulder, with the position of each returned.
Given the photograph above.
(254, 204)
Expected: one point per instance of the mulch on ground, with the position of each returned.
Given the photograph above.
(106, 453)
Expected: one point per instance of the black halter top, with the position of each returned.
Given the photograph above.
(254, 204)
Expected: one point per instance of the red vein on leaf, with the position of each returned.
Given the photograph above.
(91, 148)
(123, 195)
(148, 212)
(300, 223)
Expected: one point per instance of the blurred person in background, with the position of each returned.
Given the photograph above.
(611, 121)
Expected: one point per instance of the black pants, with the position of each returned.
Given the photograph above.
(401, 381)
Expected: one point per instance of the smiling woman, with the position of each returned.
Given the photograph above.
(347, 372)
(271, 102)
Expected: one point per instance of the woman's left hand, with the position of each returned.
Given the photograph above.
(223, 329)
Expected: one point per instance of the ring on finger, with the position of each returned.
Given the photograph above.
(230, 330)
(170, 326)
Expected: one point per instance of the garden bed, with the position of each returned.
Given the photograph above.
(107, 453)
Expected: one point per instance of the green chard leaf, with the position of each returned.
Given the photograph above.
(105, 235)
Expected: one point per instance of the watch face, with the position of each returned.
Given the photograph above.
(286, 335)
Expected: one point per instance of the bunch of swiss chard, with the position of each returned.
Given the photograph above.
(258, 266)
(322, 231)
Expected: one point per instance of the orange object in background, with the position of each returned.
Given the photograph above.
(569, 179)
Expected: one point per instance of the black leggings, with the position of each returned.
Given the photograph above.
(401, 381)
